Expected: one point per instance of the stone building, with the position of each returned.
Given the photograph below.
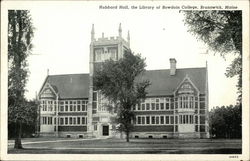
(176, 105)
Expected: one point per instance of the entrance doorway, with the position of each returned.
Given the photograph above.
(105, 130)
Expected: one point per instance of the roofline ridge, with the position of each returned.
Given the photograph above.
(176, 69)
(69, 74)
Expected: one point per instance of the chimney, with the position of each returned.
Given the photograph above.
(172, 66)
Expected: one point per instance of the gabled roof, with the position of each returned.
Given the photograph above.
(70, 85)
(162, 83)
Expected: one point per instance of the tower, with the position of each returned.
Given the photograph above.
(102, 49)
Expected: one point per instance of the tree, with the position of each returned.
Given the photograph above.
(222, 32)
(20, 34)
(28, 128)
(119, 82)
(225, 122)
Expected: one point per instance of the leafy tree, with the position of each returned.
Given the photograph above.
(222, 32)
(119, 82)
(225, 122)
(28, 128)
(20, 34)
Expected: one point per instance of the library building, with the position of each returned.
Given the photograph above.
(176, 105)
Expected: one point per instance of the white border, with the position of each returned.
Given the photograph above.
(5, 5)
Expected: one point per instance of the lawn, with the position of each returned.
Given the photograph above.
(135, 146)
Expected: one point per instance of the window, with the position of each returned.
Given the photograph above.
(83, 107)
(202, 128)
(44, 120)
(157, 106)
(78, 120)
(138, 107)
(157, 120)
(70, 120)
(172, 119)
(95, 96)
(167, 120)
(147, 106)
(167, 106)
(162, 106)
(45, 107)
(113, 53)
(61, 121)
(98, 54)
(139, 120)
(49, 120)
(186, 101)
(71, 107)
(83, 120)
(94, 109)
(180, 102)
(66, 108)
(95, 127)
(74, 121)
(191, 119)
(196, 119)
(180, 119)
(143, 120)
(152, 119)
(147, 120)
(162, 119)
(143, 107)
(202, 119)
(191, 102)
(78, 107)
(153, 106)
(66, 121)
(61, 108)
(196, 128)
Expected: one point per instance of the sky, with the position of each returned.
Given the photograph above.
(62, 38)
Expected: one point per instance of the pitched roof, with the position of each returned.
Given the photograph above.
(162, 83)
(70, 85)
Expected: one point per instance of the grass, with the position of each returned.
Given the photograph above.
(135, 146)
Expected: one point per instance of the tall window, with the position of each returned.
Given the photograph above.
(113, 53)
(94, 109)
(61, 121)
(83, 120)
(186, 101)
(98, 54)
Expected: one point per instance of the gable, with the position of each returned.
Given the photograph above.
(69, 86)
(47, 92)
(163, 84)
(186, 87)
